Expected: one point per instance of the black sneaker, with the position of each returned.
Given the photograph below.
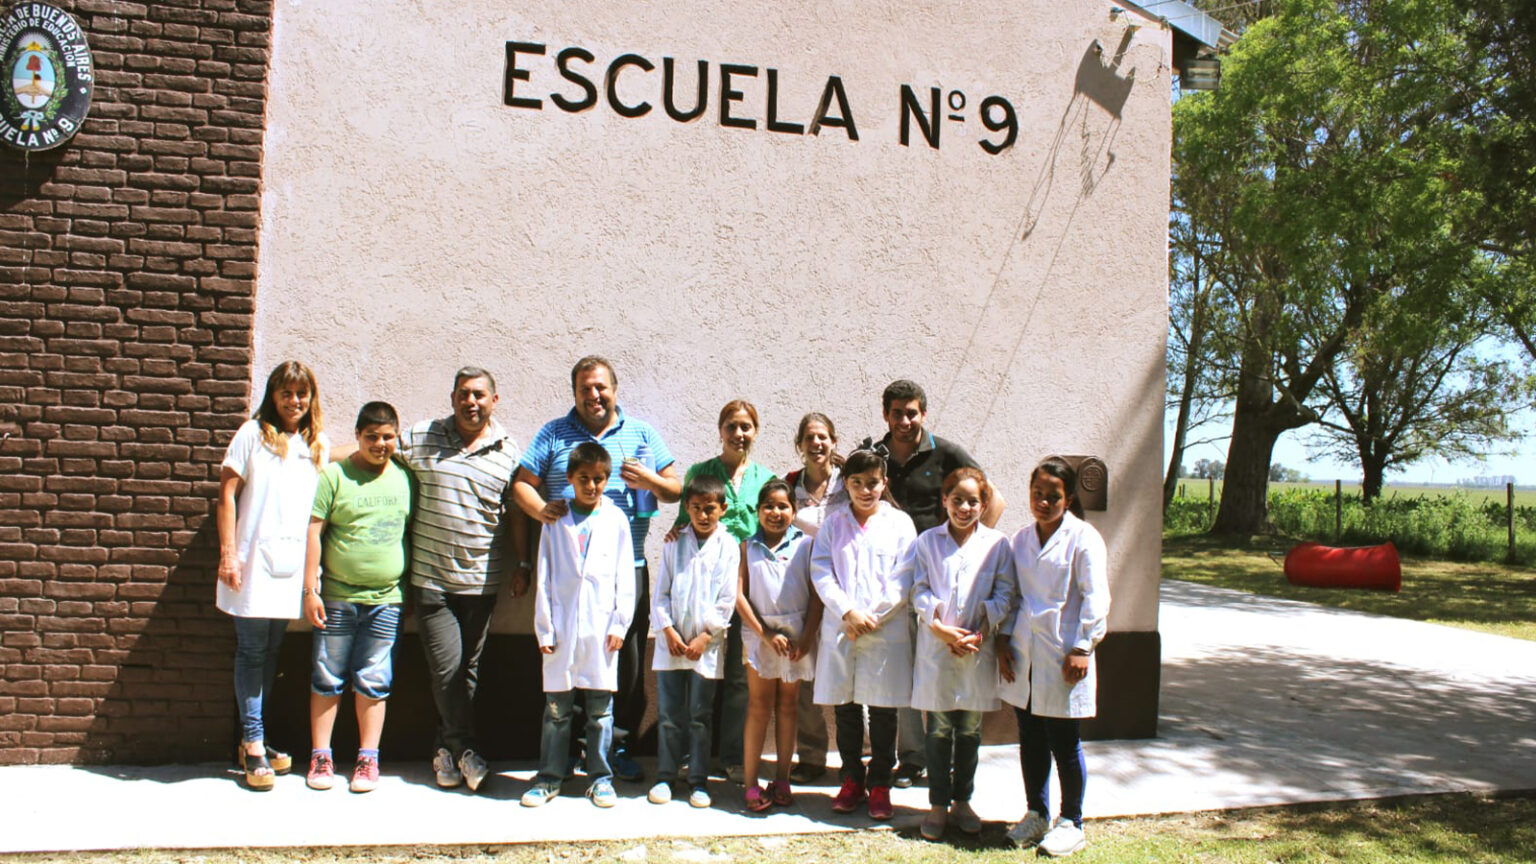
(803, 774)
(906, 775)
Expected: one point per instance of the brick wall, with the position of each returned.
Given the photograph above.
(127, 263)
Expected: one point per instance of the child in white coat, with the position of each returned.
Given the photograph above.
(584, 602)
(690, 612)
(861, 565)
(1047, 662)
(963, 591)
(780, 615)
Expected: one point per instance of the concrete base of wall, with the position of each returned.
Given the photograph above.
(509, 704)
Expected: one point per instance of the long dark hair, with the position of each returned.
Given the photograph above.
(870, 457)
(1055, 466)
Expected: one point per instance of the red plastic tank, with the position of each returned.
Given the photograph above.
(1318, 566)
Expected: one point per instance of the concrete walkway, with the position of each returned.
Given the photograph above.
(1264, 701)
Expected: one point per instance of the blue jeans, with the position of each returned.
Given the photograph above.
(1042, 739)
(954, 741)
(555, 740)
(685, 702)
(357, 645)
(257, 641)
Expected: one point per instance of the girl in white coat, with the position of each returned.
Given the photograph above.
(963, 591)
(266, 489)
(861, 565)
(1047, 662)
(779, 616)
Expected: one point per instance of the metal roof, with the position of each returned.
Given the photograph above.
(1187, 21)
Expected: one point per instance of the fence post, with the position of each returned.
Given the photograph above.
(1509, 490)
(1338, 511)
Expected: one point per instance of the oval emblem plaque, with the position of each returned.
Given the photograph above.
(48, 76)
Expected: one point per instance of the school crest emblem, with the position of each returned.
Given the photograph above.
(48, 81)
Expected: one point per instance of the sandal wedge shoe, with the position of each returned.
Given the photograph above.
(259, 776)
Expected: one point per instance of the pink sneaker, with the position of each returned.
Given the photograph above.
(880, 803)
(848, 797)
(365, 775)
(322, 774)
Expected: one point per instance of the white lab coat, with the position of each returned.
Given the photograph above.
(779, 589)
(869, 569)
(579, 603)
(971, 587)
(1063, 604)
(696, 592)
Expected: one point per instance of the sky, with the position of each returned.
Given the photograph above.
(1291, 451)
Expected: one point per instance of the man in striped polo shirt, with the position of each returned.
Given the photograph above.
(460, 535)
(645, 475)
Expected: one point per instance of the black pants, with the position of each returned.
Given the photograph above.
(882, 743)
(453, 629)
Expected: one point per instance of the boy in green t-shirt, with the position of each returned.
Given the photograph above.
(357, 530)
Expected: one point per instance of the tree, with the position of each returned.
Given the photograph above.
(1415, 381)
(1497, 128)
(1197, 387)
(1312, 165)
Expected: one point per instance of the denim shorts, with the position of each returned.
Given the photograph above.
(356, 645)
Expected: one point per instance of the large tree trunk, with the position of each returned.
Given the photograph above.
(1245, 488)
(1373, 469)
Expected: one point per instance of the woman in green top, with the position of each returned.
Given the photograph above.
(744, 479)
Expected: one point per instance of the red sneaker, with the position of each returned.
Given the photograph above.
(880, 803)
(849, 797)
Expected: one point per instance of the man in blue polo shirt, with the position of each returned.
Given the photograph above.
(919, 462)
(645, 475)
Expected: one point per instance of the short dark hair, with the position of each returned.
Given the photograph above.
(705, 486)
(590, 362)
(468, 372)
(377, 414)
(902, 390)
(588, 453)
(776, 485)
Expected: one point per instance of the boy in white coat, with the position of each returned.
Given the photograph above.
(584, 603)
(690, 613)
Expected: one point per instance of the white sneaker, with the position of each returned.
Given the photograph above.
(448, 775)
(661, 793)
(1029, 830)
(472, 766)
(699, 797)
(1063, 839)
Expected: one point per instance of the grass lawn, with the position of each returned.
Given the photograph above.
(1493, 598)
(1461, 828)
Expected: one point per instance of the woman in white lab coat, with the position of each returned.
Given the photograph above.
(1046, 663)
(266, 489)
(962, 591)
(861, 566)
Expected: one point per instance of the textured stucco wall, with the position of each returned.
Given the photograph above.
(413, 223)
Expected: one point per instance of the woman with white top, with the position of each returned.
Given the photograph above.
(266, 490)
(817, 486)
